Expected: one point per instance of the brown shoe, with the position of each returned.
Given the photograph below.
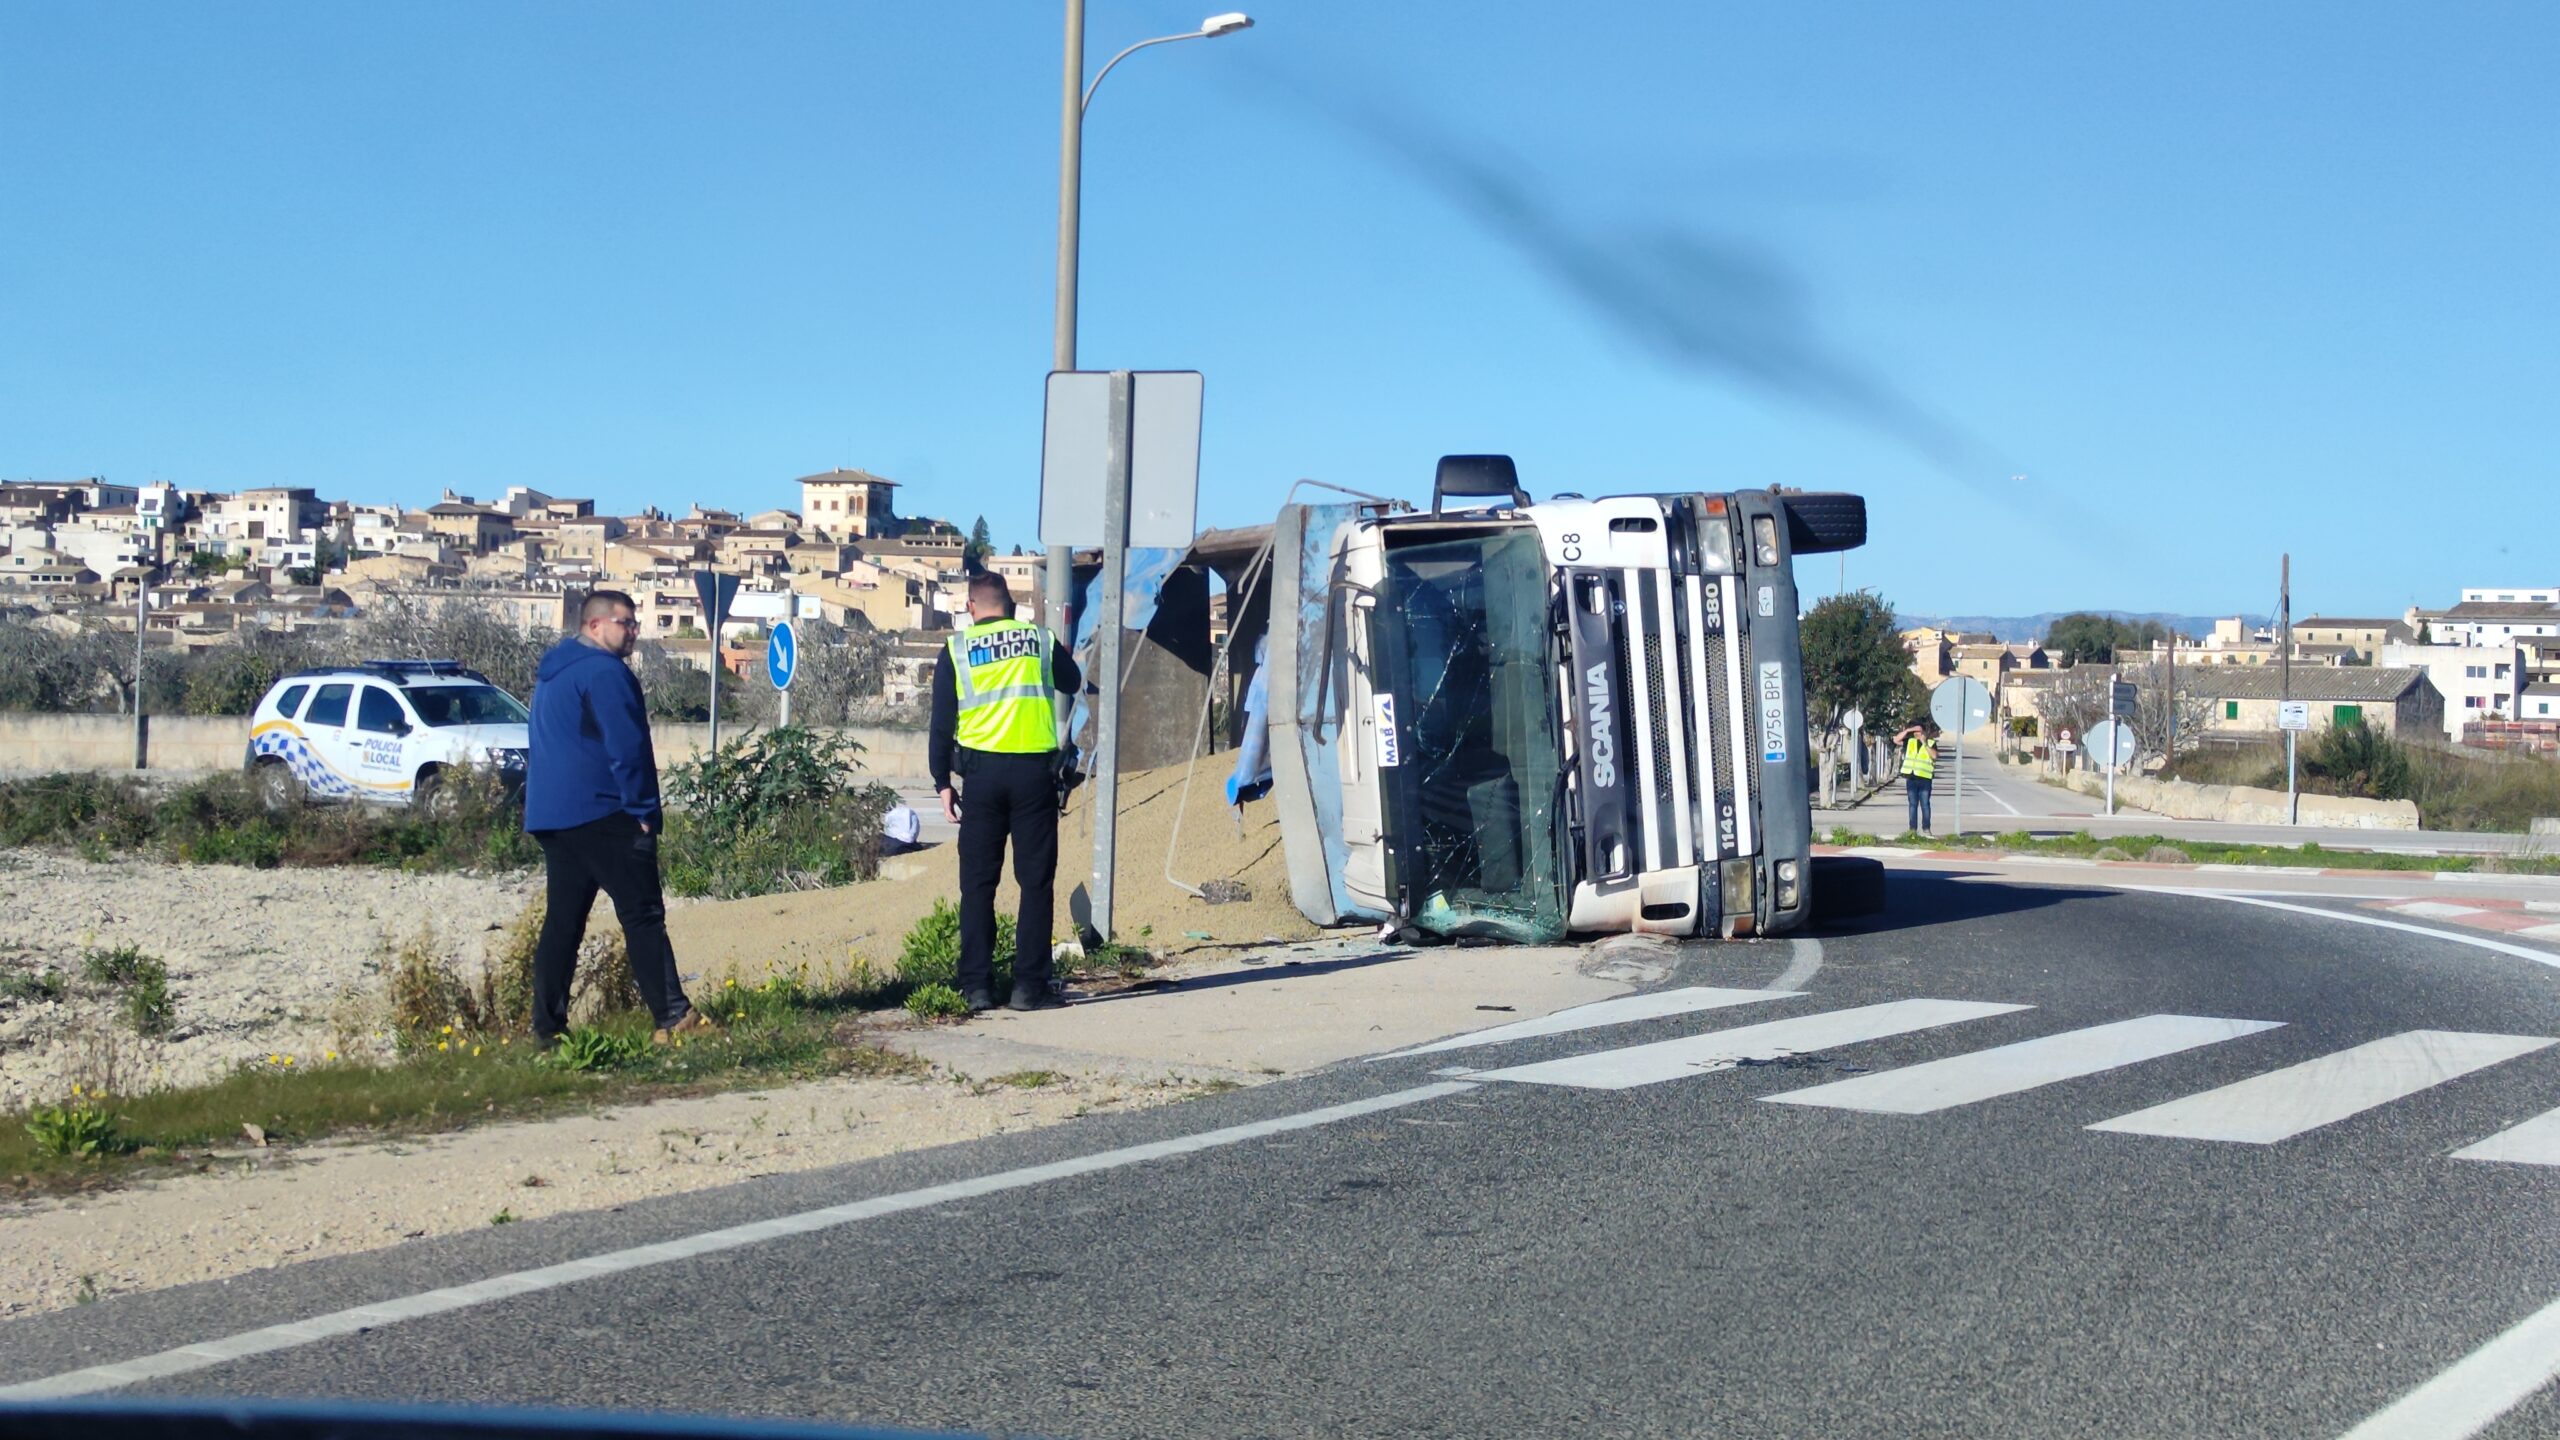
(694, 1023)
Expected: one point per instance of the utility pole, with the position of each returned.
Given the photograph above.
(141, 624)
(2173, 700)
(2284, 658)
(1062, 341)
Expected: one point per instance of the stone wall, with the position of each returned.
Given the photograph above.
(44, 743)
(2244, 804)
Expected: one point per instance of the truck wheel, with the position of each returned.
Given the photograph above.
(1846, 887)
(1825, 520)
(279, 789)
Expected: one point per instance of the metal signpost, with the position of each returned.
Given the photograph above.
(781, 662)
(2111, 744)
(2292, 717)
(1854, 722)
(1119, 466)
(1960, 703)
(715, 591)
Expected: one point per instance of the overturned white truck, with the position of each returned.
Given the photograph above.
(1532, 719)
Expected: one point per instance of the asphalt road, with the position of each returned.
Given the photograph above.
(1518, 1250)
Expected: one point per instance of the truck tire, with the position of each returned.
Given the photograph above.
(1846, 887)
(1821, 521)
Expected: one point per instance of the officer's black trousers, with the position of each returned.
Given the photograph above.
(1001, 797)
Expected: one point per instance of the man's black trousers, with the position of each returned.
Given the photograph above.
(615, 856)
(1007, 797)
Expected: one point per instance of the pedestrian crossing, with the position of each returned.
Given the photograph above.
(2267, 1108)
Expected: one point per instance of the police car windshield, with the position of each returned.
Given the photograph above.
(466, 705)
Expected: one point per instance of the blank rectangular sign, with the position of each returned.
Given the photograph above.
(1164, 459)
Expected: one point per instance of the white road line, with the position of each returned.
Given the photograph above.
(2281, 1104)
(2476, 942)
(1652, 1064)
(2480, 1387)
(207, 1354)
(1620, 1011)
(2008, 1069)
(1801, 970)
(2534, 1142)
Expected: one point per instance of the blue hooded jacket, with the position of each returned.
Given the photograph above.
(590, 742)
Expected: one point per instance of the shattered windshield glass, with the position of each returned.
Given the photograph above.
(1473, 805)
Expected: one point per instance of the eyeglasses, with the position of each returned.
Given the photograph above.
(625, 621)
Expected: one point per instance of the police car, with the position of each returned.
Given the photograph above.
(385, 731)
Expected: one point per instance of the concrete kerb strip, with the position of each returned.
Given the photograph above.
(2215, 867)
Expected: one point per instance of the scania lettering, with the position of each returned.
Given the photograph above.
(1585, 716)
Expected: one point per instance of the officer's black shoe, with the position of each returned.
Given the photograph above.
(978, 1001)
(1041, 999)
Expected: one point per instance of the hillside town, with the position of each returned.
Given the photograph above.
(2482, 672)
(204, 568)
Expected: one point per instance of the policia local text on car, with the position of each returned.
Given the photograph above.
(995, 726)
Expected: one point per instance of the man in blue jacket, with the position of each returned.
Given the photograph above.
(591, 800)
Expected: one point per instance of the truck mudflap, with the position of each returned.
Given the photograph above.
(1308, 696)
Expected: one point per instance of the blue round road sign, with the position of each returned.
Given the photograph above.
(782, 655)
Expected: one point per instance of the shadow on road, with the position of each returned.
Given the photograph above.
(1921, 899)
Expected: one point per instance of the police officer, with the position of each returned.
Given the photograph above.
(1919, 772)
(995, 724)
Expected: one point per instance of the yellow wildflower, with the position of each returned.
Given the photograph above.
(442, 1045)
(475, 1049)
(288, 1060)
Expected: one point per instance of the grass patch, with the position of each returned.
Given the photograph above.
(462, 1077)
(220, 821)
(936, 1001)
(1030, 1079)
(2454, 788)
(141, 984)
(2083, 845)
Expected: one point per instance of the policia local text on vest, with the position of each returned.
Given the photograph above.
(994, 756)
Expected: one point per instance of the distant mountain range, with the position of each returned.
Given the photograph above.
(2011, 629)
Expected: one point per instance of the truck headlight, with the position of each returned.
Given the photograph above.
(1787, 882)
(1764, 540)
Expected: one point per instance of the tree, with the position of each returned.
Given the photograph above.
(2082, 638)
(981, 545)
(2080, 700)
(1853, 659)
(43, 669)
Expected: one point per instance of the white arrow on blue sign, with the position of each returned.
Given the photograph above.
(782, 655)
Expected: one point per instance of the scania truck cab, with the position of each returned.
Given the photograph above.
(1533, 719)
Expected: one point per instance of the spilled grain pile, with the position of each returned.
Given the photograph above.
(827, 928)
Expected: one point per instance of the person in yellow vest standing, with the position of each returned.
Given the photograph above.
(995, 731)
(1919, 771)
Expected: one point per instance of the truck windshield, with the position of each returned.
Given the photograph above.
(1472, 805)
(466, 705)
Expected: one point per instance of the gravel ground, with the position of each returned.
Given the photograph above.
(261, 961)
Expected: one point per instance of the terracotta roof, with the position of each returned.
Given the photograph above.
(847, 477)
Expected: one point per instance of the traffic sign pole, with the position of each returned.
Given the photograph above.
(782, 662)
(1107, 619)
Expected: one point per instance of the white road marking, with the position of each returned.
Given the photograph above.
(1801, 970)
(2534, 1142)
(2480, 1387)
(2008, 1069)
(2434, 909)
(1662, 1060)
(1623, 1010)
(207, 1354)
(2476, 942)
(2281, 1104)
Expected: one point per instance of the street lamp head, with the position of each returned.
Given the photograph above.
(1227, 24)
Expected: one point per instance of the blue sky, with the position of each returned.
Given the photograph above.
(2099, 306)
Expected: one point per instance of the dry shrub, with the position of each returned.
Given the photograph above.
(425, 993)
(603, 987)
(99, 1064)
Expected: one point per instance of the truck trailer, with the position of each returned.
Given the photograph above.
(1524, 720)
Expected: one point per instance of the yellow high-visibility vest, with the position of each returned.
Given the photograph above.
(1000, 669)
(1919, 758)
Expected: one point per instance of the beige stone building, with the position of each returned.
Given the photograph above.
(2398, 699)
(2353, 640)
(850, 505)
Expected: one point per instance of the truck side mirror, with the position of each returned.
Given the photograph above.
(1477, 475)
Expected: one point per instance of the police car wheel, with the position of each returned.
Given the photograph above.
(1846, 887)
(430, 797)
(278, 788)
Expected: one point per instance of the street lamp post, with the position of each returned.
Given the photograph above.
(1074, 96)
